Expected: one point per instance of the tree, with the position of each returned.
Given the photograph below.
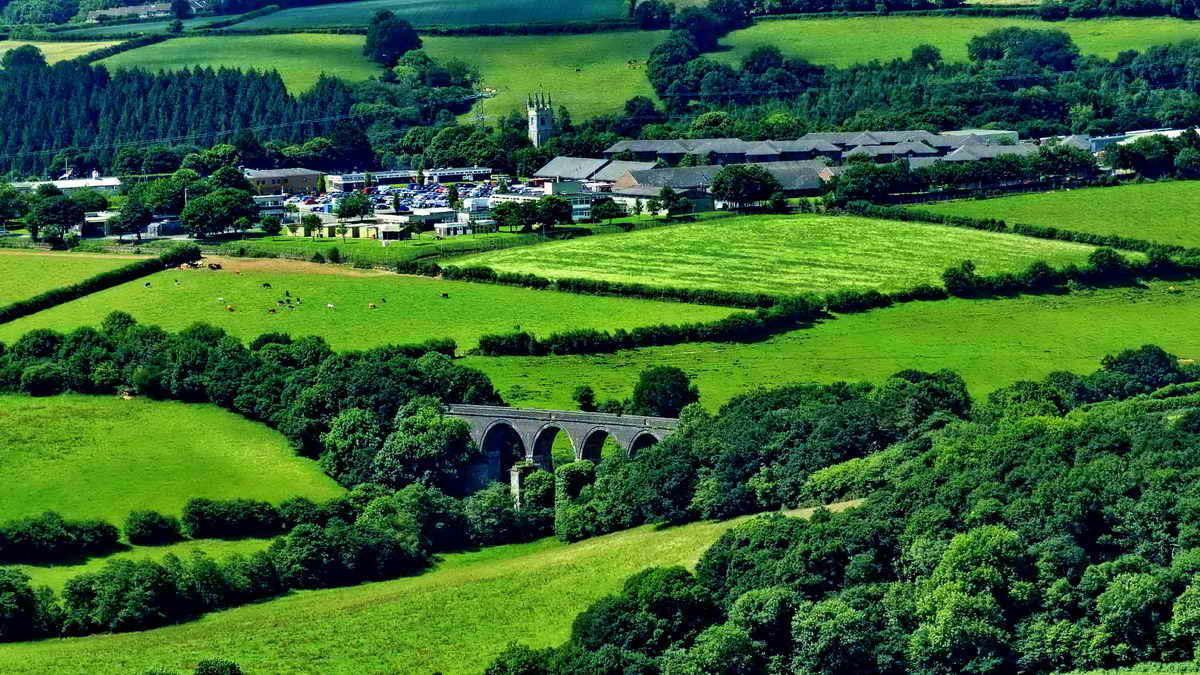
(242, 224)
(182, 9)
(354, 437)
(12, 204)
(426, 447)
(553, 210)
(515, 215)
(52, 217)
(672, 202)
(585, 398)
(23, 57)
(311, 223)
(341, 230)
(663, 391)
(133, 218)
(271, 225)
(389, 38)
(452, 197)
(353, 204)
(217, 211)
(90, 200)
(653, 14)
(637, 207)
(607, 209)
(744, 184)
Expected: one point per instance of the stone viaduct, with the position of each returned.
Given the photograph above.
(529, 434)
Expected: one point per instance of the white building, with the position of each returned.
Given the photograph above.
(70, 185)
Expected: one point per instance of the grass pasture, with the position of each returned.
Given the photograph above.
(426, 624)
(102, 457)
(414, 309)
(1166, 212)
(846, 41)
(141, 27)
(991, 343)
(782, 254)
(28, 273)
(300, 58)
(57, 51)
(437, 13)
(589, 74)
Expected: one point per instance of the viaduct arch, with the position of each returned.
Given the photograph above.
(531, 432)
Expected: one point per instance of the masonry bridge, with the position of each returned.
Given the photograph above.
(508, 435)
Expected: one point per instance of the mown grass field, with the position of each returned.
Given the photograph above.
(102, 457)
(56, 576)
(439, 13)
(589, 74)
(991, 343)
(1167, 212)
(453, 619)
(845, 41)
(57, 51)
(370, 252)
(782, 254)
(27, 273)
(414, 310)
(300, 58)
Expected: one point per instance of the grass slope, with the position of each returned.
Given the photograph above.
(300, 58)
(991, 343)
(141, 27)
(28, 273)
(1166, 212)
(440, 13)
(414, 311)
(589, 74)
(100, 457)
(453, 619)
(782, 254)
(57, 51)
(845, 41)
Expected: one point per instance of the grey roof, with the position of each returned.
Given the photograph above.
(973, 153)
(574, 168)
(761, 148)
(798, 175)
(279, 173)
(872, 150)
(1078, 141)
(802, 178)
(721, 146)
(681, 177)
(617, 168)
(669, 146)
(805, 145)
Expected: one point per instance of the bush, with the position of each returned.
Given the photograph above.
(218, 666)
(51, 538)
(150, 528)
(43, 379)
(232, 519)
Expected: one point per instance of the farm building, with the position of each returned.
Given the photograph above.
(157, 10)
(283, 181)
(588, 169)
(72, 184)
(797, 178)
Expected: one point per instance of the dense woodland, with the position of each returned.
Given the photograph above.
(1049, 527)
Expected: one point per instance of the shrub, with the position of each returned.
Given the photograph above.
(43, 379)
(150, 528)
(50, 538)
(232, 519)
(218, 666)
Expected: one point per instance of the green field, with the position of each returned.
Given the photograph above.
(991, 343)
(102, 457)
(300, 58)
(414, 310)
(845, 41)
(56, 576)
(454, 619)
(27, 273)
(589, 74)
(368, 251)
(782, 254)
(141, 27)
(435, 13)
(1167, 212)
(57, 51)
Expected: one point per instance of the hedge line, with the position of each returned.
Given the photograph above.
(105, 52)
(58, 296)
(224, 23)
(589, 286)
(786, 314)
(957, 11)
(870, 210)
(50, 538)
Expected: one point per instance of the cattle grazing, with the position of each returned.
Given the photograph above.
(329, 306)
(229, 308)
(279, 302)
(287, 294)
(383, 300)
(446, 295)
(214, 266)
(266, 285)
(371, 305)
(147, 284)
(176, 282)
(271, 310)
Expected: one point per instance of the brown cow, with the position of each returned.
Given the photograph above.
(229, 308)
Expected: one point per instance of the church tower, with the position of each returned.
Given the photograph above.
(541, 119)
